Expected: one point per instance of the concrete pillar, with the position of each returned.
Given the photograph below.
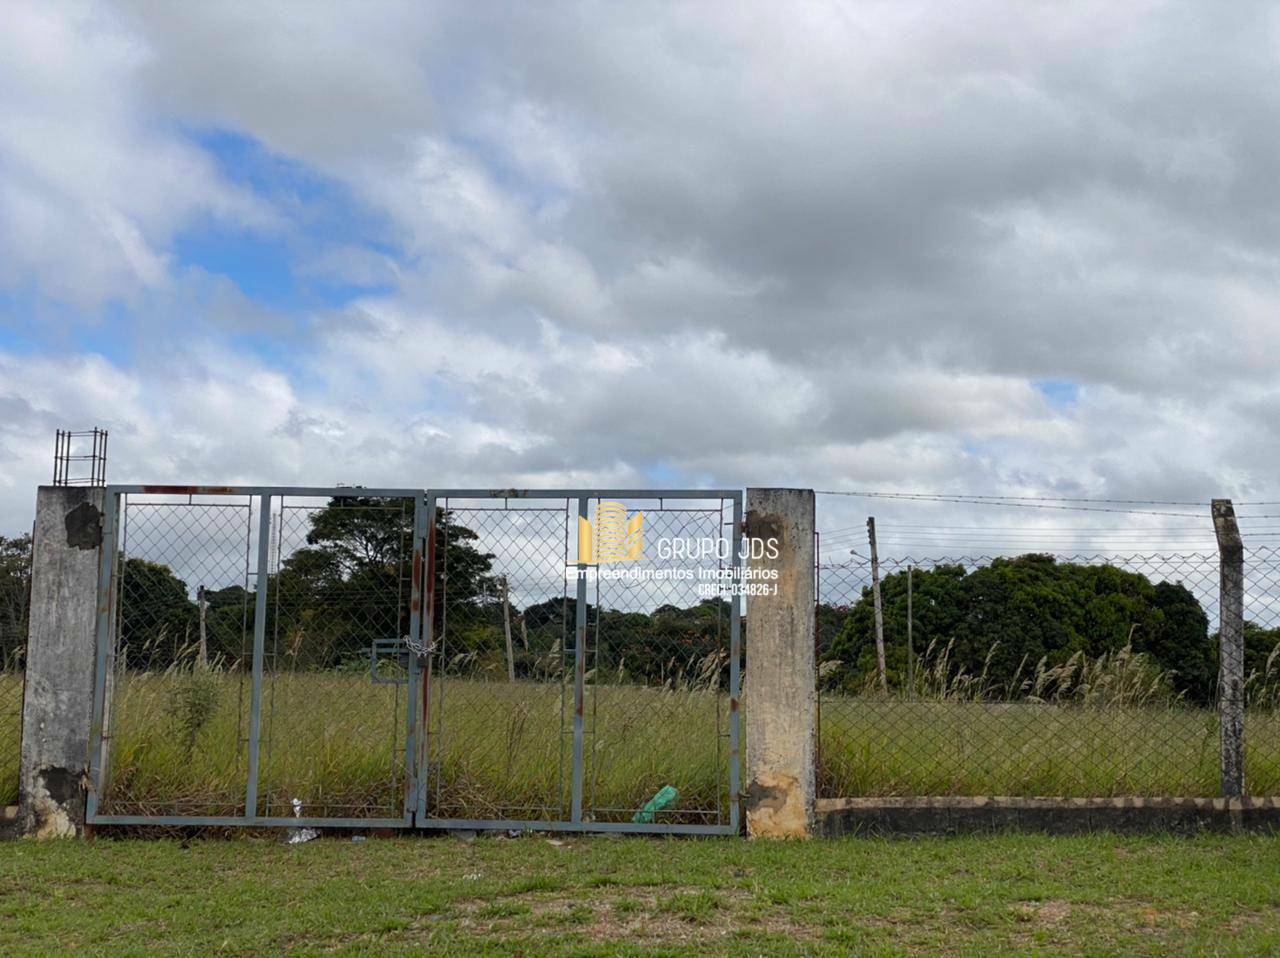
(1230, 646)
(58, 706)
(780, 694)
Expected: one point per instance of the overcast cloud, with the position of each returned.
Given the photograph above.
(987, 248)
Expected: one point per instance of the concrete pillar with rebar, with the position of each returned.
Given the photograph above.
(780, 695)
(58, 702)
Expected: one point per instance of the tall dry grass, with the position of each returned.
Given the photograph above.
(1088, 727)
(10, 734)
(336, 742)
(1101, 726)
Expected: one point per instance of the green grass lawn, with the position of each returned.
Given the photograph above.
(1013, 894)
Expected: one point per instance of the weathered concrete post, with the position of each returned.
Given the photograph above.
(58, 704)
(780, 694)
(1230, 646)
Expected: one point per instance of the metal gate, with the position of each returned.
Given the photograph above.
(242, 659)
(401, 657)
(583, 670)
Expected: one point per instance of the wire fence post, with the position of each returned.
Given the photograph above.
(911, 650)
(879, 610)
(1230, 646)
(506, 628)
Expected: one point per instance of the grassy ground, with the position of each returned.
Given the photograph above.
(873, 746)
(336, 741)
(972, 896)
(10, 727)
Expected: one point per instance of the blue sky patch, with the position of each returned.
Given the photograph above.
(1061, 393)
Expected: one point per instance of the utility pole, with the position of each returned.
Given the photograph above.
(875, 591)
(911, 652)
(204, 641)
(506, 628)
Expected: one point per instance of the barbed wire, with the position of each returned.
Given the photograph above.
(1029, 502)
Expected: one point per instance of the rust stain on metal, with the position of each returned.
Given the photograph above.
(579, 699)
(191, 490)
(415, 600)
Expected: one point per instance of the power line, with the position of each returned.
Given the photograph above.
(966, 497)
(1011, 503)
(1202, 521)
(894, 529)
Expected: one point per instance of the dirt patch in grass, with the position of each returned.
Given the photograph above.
(647, 914)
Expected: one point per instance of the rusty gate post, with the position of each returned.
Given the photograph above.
(57, 704)
(780, 696)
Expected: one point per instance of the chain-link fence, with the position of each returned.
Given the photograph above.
(349, 657)
(176, 723)
(1262, 670)
(13, 650)
(566, 693)
(335, 697)
(15, 598)
(1027, 675)
(500, 686)
(243, 676)
(658, 683)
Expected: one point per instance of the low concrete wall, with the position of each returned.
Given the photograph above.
(945, 816)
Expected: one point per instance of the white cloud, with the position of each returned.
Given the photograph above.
(830, 246)
(92, 189)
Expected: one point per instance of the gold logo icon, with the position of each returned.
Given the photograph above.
(614, 538)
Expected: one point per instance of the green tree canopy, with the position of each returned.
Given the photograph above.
(1016, 611)
(15, 597)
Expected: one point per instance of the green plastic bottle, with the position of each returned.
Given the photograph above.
(665, 797)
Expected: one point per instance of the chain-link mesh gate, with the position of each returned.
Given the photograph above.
(975, 707)
(262, 660)
(15, 555)
(336, 662)
(567, 690)
(1262, 670)
(498, 691)
(253, 660)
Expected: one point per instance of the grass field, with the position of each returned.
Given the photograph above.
(336, 741)
(10, 734)
(1014, 894)
(873, 746)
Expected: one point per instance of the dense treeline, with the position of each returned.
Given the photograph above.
(349, 584)
(15, 598)
(1004, 618)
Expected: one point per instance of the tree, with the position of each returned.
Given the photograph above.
(351, 583)
(158, 618)
(15, 597)
(1012, 613)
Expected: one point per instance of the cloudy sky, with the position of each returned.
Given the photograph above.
(1002, 248)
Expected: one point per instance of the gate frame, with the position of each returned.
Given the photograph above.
(107, 577)
(575, 823)
(422, 600)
